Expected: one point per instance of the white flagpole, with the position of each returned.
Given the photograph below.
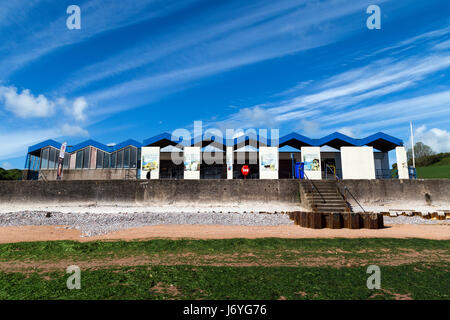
(412, 146)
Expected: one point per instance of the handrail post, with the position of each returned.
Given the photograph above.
(345, 188)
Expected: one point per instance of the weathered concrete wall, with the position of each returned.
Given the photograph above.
(91, 174)
(151, 191)
(394, 190)
(214, 192)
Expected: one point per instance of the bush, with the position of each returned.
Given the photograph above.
(13, 174)
(426, 161)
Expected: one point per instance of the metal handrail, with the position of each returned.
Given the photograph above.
(42, 176)
(345, 188)
(314, 186)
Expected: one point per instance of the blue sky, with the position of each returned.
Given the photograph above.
(139, 68)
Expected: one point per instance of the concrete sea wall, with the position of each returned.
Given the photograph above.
(215, 192)
(151, 191)
(420, 192)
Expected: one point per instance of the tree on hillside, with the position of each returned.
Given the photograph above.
(421, 150)
(13, 174)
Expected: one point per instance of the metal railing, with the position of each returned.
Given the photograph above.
(311, 191)
(383, 174)
(346, 190)
(42, 176)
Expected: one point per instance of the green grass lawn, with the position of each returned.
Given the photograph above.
(434, 172)
(227, 269)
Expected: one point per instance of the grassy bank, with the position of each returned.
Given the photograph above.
(434, 172)
(187, 282)
(227, 269)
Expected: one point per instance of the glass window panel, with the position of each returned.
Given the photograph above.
(86, 154)
(56, 159)
(126, 158)
(100, 159)
(36, 163)
(106, 160)
(113, 159)
(79, 160)
(44, 153)
(133, 160)
(66, 160)
(138, 158)
(119, 159)
(51, 159)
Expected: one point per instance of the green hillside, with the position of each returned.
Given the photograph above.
(433, 172)
(434, 167)
(13, 174)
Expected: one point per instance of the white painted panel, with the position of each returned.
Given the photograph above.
(402, 162)
(192, 161)
(230, 160)
(357, 163)
(311, 158)
(150, 158)
(268, 162)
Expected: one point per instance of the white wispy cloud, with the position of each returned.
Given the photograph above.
(68, 130)
(24, 104)
(349, 101)
(14, 12)
(378, 79)
(437, 139)
(181, 38)
(6, 165)
(270, 34)
(79, 108)
(16, 143)
(97, 17)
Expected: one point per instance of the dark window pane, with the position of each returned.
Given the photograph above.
(66, 160)
(126, 158)
(138, 158)
(113, 159)
(44, 164)
(99, 159)
(106, 160)
(56, 159)
(37, 163)
(79, 160)
(133, 160)
(86, 158)
(51, 159)
(119, 159)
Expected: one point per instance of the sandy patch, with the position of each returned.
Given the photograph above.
(48, 233)
(260, 258)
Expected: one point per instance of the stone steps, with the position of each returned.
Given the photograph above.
(325, 197)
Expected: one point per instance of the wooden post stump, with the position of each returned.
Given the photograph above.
(336, 220)
(354, 220)
(372, 221)
(296, 218)
(303, 220)
(315, 220)
(291, 215)
(365, 220)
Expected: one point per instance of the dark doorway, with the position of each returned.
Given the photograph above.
(213, 171)
(170, 170)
